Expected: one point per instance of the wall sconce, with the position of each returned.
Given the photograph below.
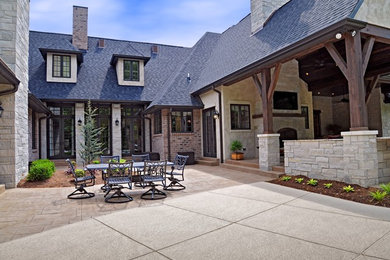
(79, 122)
(117, 122)
(216, 114)
(339, 36)
(1, 110)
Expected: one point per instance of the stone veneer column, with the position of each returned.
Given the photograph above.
(79, 115)
(116, 130)
(360, 157)
(269, 152)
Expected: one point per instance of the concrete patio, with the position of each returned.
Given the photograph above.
(247, 220)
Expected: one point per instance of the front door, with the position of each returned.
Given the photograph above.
(132, 138)
(209, 139)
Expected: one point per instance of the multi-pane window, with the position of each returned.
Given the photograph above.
(181, 121)
(61, 66)
(131, 70)
(157, 123)
(240, 117)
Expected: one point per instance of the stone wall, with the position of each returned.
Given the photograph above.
(14, 41)
(383, 159)
(322, 159)
(374, 12)
(261, 10)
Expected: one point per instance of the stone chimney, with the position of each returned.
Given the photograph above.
(261, 10)
(80, 27)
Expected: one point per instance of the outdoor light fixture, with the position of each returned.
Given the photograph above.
(339, 36)
(188, 78)
(1, 110)
(216, 114)
(79, 122)
(117, 122)
(353, 33)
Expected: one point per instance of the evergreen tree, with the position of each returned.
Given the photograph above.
(92, 147)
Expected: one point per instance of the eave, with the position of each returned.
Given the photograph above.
(7, 77)
(115, 58)
(79, 54)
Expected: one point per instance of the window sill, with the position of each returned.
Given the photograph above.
(184, 133)
(241, 131)
(157, 135)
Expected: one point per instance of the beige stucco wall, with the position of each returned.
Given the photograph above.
(324, 104)
(49, 69)
(375, 12)
(119, 74)
(210, 100)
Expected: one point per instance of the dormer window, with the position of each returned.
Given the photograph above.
(61, 66)
(131, 70)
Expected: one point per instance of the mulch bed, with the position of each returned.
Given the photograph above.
(60, 178)
(360, 194)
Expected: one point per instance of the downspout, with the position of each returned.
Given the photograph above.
(169, 134)
(39, 134)
(220, 122)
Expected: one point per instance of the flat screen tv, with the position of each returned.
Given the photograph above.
(285, 100)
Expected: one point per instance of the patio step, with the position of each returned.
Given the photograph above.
(2, 188)
(278, 169)
(208, 161)
(252, 170)
(245, 163)
(60, 162)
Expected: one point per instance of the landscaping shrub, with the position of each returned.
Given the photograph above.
(41, 170)
(79, 173)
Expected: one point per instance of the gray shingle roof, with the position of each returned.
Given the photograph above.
(293, 22)
(96, 79)
(214, 57)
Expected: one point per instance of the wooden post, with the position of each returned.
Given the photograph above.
(265, 79)
(356, 88)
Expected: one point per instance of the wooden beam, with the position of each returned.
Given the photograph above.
(367, 49)
(356, 88)
(373, 83)
(257, 84)
(274, 81)
(267, 104)
(380, 33)
(340, 62)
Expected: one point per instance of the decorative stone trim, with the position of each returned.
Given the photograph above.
(269, 152)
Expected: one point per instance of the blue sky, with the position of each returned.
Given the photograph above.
(177, 22)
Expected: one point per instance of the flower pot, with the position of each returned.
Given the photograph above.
(237, 156)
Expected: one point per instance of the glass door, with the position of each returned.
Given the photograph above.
(132, 131)
(61, 132)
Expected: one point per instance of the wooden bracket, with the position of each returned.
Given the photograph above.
(257, 83)
(373, 83)
(340, 62)
(367, 49)
(274, 81)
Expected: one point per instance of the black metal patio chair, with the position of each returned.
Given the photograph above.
(176, 175)
(80, 183)
(117, 175)
(153, 172)
(107, 159)
(138, 171)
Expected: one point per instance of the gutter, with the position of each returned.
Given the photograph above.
(220, 122)
(10, 78)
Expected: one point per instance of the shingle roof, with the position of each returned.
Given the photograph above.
(96, 79)
(293, 22)
(214, 57)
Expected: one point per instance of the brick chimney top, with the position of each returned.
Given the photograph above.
(80, 27)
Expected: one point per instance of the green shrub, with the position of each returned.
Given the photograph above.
(122, 160)
(312, 182)
(285, 178)
(348, 188)
(377, 195)
(41, 170)
(328, 185)
(79, 173)
(299, 180)
(96, 162)
(386, 187)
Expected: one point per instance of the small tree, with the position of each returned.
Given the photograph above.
(92, 147)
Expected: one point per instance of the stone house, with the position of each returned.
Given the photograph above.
(286, 79)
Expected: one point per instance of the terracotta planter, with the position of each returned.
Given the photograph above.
(237, 156)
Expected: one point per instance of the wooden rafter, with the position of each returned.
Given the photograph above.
(274, 80)
(373, 83)
(340, 62)
(367, 49)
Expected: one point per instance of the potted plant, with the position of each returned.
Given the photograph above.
(235, 147)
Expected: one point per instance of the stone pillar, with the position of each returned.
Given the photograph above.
(147, 135)
(360, 157)
(269, 152)
(79, 115)
(116, 130)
